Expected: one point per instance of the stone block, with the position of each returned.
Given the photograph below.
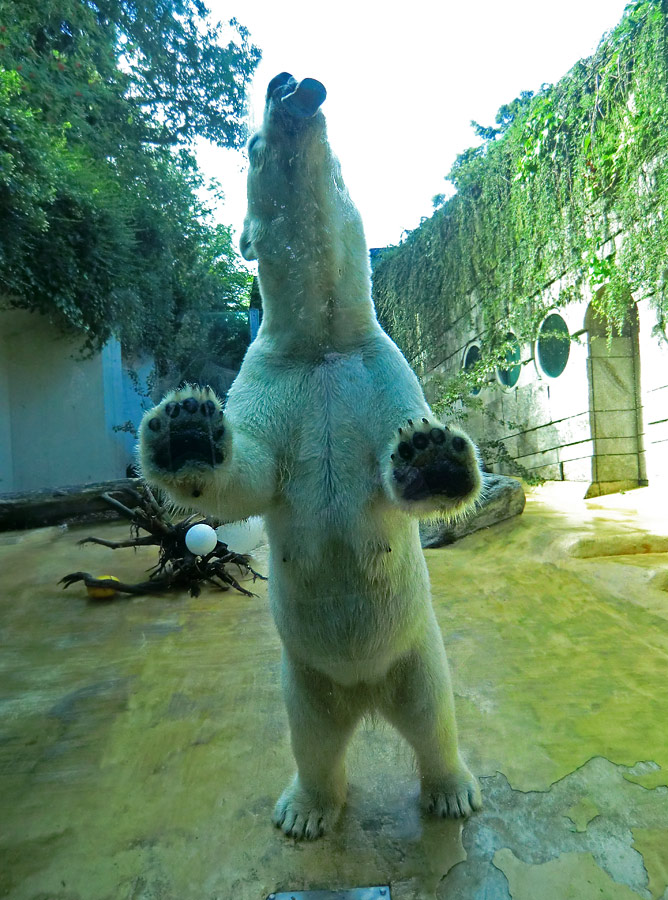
(656, 404)
(577, 469)
(528, 404)
(551, 472)
(656, 456)
(503, 498)
(617, 468)
(621, 423)
(657, 432)
(617, 445)
(653, 354)
(619, 346)
(539, 460)
(573, 401)
(601, 488)
(581, 450)
(574, 428)
(613, 384)
(530, 442)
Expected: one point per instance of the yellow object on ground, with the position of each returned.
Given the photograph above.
(102, 593)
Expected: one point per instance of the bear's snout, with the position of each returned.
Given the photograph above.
(301, 100)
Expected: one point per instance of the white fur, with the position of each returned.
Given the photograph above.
(311, 425)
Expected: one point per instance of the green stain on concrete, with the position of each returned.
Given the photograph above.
(650, 780)
(652, 844)
(143, 742)
(575, 659)
(582, 813)
(573, 876)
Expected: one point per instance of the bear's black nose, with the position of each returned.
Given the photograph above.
(306, 99)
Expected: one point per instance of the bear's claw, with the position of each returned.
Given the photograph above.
(301, 816)
(454, 798)
(432, 459)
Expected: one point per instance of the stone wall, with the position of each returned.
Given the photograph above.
(561, 211)
(602, 421)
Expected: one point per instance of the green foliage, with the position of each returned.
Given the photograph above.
(103, 224)
(153, 72)
(563, 172)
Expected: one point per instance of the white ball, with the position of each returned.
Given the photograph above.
(201, 539)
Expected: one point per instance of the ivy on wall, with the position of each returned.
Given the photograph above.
(560, 174)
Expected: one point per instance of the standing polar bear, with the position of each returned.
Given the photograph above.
(326, 433)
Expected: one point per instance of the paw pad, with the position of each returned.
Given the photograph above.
(185, 431)
(412, 444)
(432, 460)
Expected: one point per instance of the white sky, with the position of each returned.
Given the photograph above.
(403, 83)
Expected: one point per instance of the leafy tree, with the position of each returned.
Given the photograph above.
(124, 72)
(102, 222)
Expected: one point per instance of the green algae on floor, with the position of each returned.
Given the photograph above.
(651, 844)
(575, 661)
(573, 876)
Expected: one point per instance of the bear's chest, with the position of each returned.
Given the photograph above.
(332, 453)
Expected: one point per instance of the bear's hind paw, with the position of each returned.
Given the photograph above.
(455, 797)
(303, 817)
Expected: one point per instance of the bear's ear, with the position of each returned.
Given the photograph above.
(245, 242)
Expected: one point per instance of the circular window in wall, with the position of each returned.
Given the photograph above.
(510, 374)
(553, 345)
(471, 359)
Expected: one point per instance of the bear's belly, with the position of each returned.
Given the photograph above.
(349, 612)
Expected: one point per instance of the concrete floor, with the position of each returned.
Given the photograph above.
(143, 742)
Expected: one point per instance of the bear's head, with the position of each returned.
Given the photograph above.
(303, 228)
(280, 154)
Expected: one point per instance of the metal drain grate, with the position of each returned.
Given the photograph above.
(369, 893)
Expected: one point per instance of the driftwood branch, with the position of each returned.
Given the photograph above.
(118, 545)
(177, 567)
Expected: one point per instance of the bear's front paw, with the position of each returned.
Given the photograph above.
(181, 439)
(434, 467)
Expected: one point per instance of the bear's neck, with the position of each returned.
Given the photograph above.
(316, 285)
(315, 314)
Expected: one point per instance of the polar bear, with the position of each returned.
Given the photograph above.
(326, 433)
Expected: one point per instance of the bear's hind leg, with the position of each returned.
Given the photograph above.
(322, 717)
(418, 701)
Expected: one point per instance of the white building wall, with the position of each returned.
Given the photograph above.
(654, 394)
(543, 422)
(603, 421)
(136, 399)
(58, 411)
(6, 461)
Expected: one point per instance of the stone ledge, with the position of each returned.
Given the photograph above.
(74, 504)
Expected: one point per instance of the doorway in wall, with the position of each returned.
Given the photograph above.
(613, 372)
